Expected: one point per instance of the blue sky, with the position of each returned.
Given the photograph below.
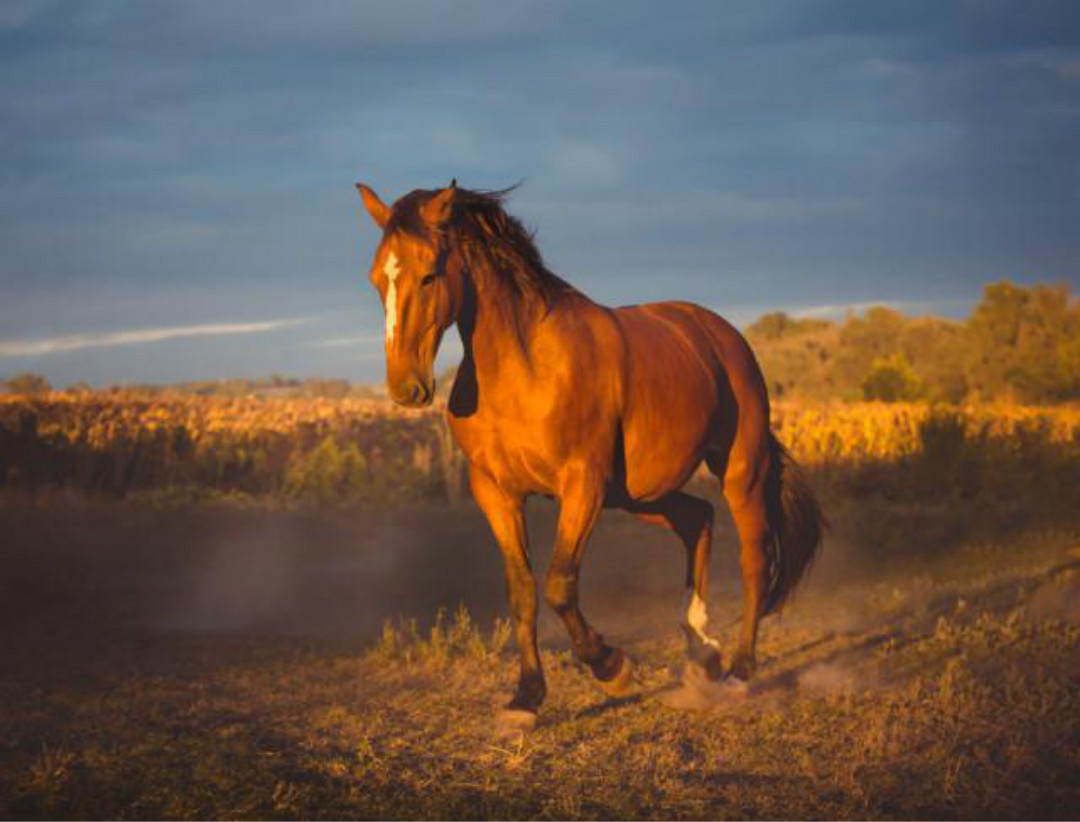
(177, 201)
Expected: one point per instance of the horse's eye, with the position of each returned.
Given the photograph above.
(428, 279)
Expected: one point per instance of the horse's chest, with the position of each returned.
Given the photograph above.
(516, 456)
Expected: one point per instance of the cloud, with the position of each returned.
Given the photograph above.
(78, 342)
(343, 342)
(947, 307)
(840, 310)
(745, 315)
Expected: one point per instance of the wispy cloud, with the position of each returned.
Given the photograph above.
(78, 342)
(745, 315)
(839, 310)
(955, 307)
(344, 342)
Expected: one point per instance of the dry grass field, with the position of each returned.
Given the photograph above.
(351, 452)
(231, 657)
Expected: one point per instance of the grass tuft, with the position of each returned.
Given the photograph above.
(447, 641)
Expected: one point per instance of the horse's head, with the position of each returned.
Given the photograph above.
(419, 280)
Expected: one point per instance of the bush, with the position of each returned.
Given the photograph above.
(328, 474)
(891, 379)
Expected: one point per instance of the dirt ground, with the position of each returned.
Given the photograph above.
(226, 662)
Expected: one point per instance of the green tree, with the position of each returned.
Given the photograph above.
(936, 350)
(1067, 361)
(1023, 341)
(327, 473)
(892, 380)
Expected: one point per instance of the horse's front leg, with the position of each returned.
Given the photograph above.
(580, 504)
(507, 520)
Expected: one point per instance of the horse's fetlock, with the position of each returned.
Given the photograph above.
(530, 694)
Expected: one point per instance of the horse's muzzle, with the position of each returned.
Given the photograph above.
(413, 393)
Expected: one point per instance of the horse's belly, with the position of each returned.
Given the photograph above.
(660, 461)
(666, 431)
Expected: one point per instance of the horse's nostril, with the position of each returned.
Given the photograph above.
(412, 392)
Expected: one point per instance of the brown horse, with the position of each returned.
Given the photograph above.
(598, 407)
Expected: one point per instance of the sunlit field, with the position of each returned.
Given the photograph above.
(289, 608)
(369, 451)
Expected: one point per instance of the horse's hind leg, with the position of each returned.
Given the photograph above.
(691, 518)
(580, 504)
(743, 479)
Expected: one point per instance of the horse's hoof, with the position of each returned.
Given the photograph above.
(699, 691)
(734, 688)
(513, 721)
(622, 684)
(742, 667)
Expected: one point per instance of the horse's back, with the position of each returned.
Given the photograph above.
(690, 376)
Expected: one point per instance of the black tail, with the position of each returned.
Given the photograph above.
(796, 525)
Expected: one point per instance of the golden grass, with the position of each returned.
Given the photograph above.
(355, 450)
(318, 450)
(857, 432)
(815, 432)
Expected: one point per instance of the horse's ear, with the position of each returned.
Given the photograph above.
(378, 210)
(437, 210)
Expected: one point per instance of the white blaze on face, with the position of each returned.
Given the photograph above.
(391, 269)
(698, 619)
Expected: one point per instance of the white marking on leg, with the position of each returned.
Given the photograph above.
(697, 617)
(391, 269)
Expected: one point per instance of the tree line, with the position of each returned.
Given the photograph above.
(1020, 344)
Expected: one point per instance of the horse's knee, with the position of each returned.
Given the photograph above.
(521, 592)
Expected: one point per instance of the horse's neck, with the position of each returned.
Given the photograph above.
(498, 333)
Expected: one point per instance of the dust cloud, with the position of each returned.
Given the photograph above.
(120, 570)
(83, 580)
(1057, 599)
